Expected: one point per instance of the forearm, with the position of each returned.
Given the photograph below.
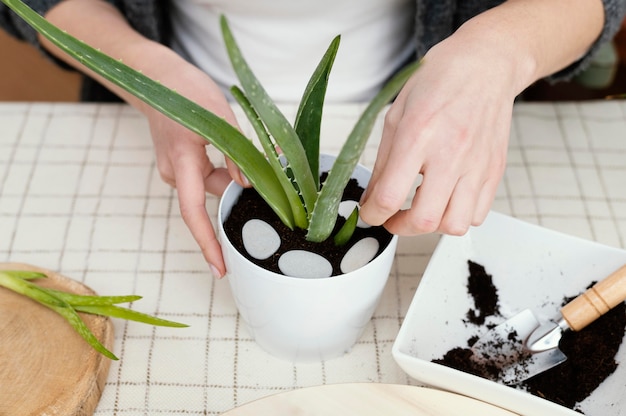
(101, 25)
(535, 38)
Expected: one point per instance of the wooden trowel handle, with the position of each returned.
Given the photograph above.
(596, 301)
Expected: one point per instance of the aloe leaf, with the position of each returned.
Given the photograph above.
(309, 116)
(276, 123)
(67, 304)
(299, 213)
(211, 127)
(18, 285)
(88, 300)
(83, 330)
(45, 298)
(324, 215)
(347, 229)
(128, 314)
(25, 274)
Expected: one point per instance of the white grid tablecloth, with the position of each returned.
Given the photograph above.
(80, 194)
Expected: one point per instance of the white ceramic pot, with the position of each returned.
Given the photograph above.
(304, 320)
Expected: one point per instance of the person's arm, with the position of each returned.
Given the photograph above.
(451, 122)
(181, 155)
(614, 15)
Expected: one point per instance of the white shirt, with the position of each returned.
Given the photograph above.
(284, 40)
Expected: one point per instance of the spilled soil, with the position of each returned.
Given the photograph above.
(591, 351)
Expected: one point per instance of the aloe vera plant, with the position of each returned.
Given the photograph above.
(68, 305)
(288, 183)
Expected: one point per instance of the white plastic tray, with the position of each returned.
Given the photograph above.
(532, 267)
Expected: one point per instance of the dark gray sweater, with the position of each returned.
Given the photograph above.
(435, 20)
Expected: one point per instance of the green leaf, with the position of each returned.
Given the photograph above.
(324, 215)
(128, 314)
(67, 304)
(275, 122)
(300, 217)
(87, 300)
(345, 232)
(211, 127)
(25, 274)
(309, 116)
(43, 296)
(83, 330)
(12, 281)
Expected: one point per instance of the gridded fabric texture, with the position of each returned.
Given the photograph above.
(80, 194)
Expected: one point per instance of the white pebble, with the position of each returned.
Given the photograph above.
(304, 264)
(361, 253)
(260, 239)
(346, 208)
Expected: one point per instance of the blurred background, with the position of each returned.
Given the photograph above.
(26, 75)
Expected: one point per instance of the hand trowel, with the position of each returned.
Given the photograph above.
(522, 347)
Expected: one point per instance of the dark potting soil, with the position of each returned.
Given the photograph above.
(251, 205)
(485, 294)
(591, 351)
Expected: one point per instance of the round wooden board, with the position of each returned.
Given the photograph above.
(46, 368)
(368, 399)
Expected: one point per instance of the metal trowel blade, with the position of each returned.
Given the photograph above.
(501, 350)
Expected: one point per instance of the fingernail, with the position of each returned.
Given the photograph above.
(215, 272)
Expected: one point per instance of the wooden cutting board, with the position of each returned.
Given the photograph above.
(368, 399)
(46, 368)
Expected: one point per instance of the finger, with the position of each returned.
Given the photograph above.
(216, 181)
(393, 117)
(459, 213)
(168, 179)
(384, 148)
(485, 201)
(388, 194)
(394, 180)
(191, 198)
(236, 174)
(233, 170)
(166, 172)
(428, 205)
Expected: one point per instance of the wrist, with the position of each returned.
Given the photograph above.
(535, 36)
(500, 51)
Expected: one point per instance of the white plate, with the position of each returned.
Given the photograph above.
(367, 399)
(532, 267)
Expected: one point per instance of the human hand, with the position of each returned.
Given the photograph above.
(181, 155)
(450, 124)
(183, 163)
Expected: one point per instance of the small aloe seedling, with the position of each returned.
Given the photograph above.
(68, 305)
(289, 184)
